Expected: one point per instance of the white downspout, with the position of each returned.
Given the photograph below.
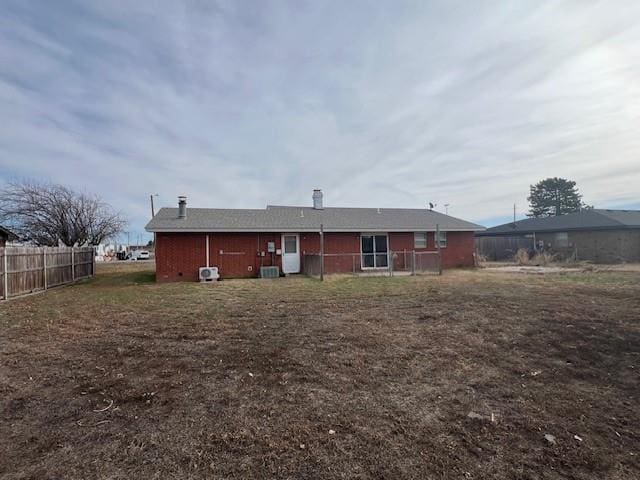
(207, 265)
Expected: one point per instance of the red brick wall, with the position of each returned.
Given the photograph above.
(459, 250)
(179, 255)
(457, 253)
(236, 254)
(342, 243)
(309, 243)
(334, 243)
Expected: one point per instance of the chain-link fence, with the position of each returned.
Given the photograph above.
(406, 262)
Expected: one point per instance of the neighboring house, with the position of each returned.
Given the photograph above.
(6, 235)
(239, 242)
(601, 236)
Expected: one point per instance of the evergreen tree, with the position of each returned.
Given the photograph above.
(554, 196)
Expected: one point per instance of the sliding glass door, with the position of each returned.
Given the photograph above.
(375, 251)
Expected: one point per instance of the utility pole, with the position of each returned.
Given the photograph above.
(438, 248)
(514, 213)
(153, 212)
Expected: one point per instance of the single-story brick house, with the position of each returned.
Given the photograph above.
(239, 241)
(6, 235)
(597, 235)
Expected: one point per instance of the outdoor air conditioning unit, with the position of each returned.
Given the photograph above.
(208, 274)
(269, 272)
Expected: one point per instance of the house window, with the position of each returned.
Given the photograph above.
(374, 251)
(420, 240)
(562, 240)
(443, 239)
(290, 244)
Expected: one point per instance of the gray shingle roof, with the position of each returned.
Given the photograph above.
(595, 219)
(305, 219)
(8, 234)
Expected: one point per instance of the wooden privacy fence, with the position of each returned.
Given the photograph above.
(30, 269)
(502, 248)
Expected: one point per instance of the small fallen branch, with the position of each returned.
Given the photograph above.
(80, 424)
(105, 408)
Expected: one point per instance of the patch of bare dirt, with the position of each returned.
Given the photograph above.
(538, 270)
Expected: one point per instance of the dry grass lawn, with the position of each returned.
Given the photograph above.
(120, 378)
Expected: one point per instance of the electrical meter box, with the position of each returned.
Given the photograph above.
(271, 247)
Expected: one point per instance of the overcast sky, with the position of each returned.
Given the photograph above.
(380, 104)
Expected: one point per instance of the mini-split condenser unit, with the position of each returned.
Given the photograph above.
(208, 274)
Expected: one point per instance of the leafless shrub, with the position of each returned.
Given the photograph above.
(46, 214)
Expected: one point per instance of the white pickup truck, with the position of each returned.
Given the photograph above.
(139, 255)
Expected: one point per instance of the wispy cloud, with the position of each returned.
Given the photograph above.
(383, 104)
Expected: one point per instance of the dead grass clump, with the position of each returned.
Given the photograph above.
(480, 260)
(542, 259)
(521, 257)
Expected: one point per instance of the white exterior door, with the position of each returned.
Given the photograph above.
(290, 253)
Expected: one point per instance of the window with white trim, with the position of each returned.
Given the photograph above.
(443, 239)
(420, 240)
(375, 252)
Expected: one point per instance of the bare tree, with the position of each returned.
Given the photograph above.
(46, 214)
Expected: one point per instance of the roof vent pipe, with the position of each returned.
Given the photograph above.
(317, 199)
(182, 207)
